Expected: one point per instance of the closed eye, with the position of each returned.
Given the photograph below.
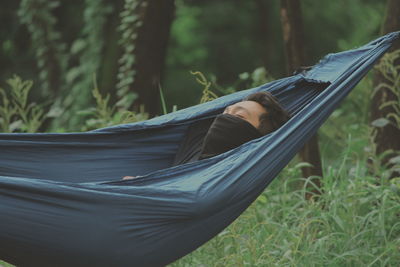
(240, 116)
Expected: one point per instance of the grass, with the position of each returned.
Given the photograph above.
(354, 223)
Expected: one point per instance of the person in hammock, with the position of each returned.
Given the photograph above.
(256, 115)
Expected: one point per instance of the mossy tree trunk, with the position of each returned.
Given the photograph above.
(386, 137)
(38, 17)
(263, 29)
(150, 52)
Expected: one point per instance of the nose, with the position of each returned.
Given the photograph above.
(228, 110)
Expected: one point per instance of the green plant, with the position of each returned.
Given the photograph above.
(131, 21)
(207, 94)
(391, 72)
(257, 77)
(389, 68)
(5, 264)
(46, 40)
(7, 111)
(164, 104)
(87, 49)
(103, 115)
(354, 223)
(16, 113)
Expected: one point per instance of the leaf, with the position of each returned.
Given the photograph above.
(126, 101)
(302, 165)
(163, 105)
(78, 46)
(73, 74)
(16, 125)
(395, 160)
(262, 199)
(381, 122)
(86, 112)
(244, 76)
(388, 104)
(55, 112)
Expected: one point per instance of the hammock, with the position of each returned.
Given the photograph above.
(63, 203)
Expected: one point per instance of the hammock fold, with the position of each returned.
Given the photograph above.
(63, 203)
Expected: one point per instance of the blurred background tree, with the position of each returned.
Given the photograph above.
(385, 104)
(295, 58)
(134, 47)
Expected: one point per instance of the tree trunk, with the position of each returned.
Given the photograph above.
(108, 72)
(263, 30)
(40, 21)
(293, 38)
(387, 137)
(150, 53)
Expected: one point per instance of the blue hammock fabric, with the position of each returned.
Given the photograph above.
(63, 203)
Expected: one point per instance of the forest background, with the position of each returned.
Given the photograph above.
(95, 63)
(60, 46)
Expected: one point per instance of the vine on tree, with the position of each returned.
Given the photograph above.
(131, 21)
(88, 50)
(46, 40)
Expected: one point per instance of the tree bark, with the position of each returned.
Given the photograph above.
(150, 53)
(111, 52)
(39, 18)
(387, 137)
(293, 38)
(263, 30)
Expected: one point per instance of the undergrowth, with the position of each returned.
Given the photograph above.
(104, 114)
(18, 115)
(354, 223)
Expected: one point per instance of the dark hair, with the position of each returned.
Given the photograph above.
(275, 116)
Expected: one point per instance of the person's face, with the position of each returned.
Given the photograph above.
(249, 111)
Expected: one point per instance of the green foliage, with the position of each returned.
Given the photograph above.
(16, 113)
(69, 51)
(389, 68)
(391, 72)
(50, 51)
(335, 25)
(385, 165)
(5, 264)
(256, 78)
(163, 104)
(204, 38)
(87, 50)
(349, 122)
(208, 95)
(354, 223)
(84, 56)
(104, 115)
(131, 20)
